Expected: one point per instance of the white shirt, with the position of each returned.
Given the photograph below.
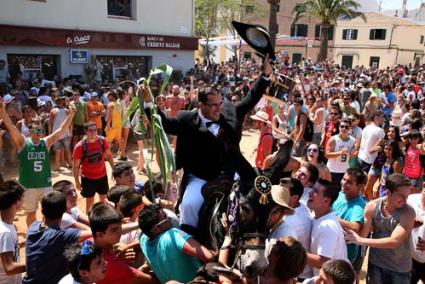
(130, 237)
(327, 239)
(340, 164)
(69, 219)
(301, 222)
(370, 135)
(46, 99)
(68, 280)
(283, 230)
(306, 195)
(414, 200)
(9, 243)
(214, 128)
(355, 104)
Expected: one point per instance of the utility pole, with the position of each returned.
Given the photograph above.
(380, 5)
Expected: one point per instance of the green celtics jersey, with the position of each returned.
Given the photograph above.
(34, 165)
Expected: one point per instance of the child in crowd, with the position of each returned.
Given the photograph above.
(130, 205)
(106, 226)
(46, 242)
(85, 263)
(10, 202)
(334, 271)
(115, 193)
(73, 217)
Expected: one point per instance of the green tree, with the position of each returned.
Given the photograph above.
(213, 17)
(327, 11)
(206, 22)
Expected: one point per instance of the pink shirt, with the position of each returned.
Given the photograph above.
(412, 164)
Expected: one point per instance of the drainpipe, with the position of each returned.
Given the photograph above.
(391, 41)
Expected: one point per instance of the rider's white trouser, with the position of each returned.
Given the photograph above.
(192, 202)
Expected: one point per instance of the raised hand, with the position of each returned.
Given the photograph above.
(267, 66)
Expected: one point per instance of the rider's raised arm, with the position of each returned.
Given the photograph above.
(17, 137)
(254, 95)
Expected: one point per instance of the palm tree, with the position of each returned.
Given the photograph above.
(273, 20)
(327, 11)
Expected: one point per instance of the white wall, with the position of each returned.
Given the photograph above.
(163, 17)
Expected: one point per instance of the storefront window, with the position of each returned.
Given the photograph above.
(28, 66)
(122, 67)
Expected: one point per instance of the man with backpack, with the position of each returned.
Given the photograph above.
(304, 129)
(90, 154)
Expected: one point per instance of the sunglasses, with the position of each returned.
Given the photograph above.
(334, 113)
(313, 150)
(38, 131)
(344, 126)
(353, 119)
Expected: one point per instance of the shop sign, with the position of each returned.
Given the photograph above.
(78, 39)
(79, 56)
(157, 42)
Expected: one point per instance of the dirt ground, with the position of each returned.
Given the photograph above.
(248, 144)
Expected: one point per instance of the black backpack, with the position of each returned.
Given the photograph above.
(309, 130)
(101, 141)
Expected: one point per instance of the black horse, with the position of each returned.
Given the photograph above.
(248, 205)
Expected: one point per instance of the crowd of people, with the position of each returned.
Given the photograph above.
(343, 148)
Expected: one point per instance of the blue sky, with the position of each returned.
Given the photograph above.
(395, 4)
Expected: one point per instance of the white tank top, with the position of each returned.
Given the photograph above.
(340, 164)
(59, 118)
(319, 127)
(24, 129)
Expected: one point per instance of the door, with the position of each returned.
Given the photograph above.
(347, 61)
(296, 58)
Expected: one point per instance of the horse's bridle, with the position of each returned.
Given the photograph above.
(232, 213)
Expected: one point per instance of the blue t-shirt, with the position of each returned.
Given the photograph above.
(351, 211)
(44, 249)
(390, 98)
(165, 256)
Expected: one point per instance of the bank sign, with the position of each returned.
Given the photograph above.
(78, 56)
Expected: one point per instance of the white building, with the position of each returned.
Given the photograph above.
(115, 37)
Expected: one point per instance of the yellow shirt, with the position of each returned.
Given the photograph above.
(117, 115)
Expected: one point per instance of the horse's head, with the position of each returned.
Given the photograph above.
(253, 216)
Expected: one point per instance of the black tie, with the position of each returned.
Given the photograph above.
(209, 123)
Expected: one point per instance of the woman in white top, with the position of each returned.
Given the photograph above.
(27, 119)
(279, 125)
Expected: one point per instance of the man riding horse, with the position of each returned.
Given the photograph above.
(208, 143)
